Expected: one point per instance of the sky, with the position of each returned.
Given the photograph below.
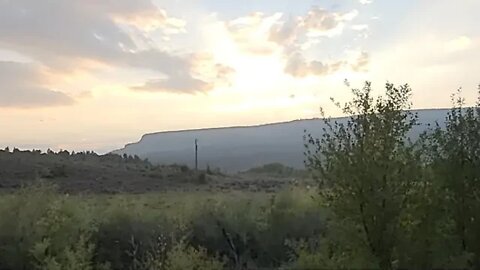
(97, 74)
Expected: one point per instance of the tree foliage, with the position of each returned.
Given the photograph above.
(367, 165)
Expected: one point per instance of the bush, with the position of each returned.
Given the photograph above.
(41, 229)
(183, 257)
(126, 239)
(202, 178)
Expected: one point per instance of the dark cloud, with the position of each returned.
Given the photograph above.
(21, 86)
(60, 34)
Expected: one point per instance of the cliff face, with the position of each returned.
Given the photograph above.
(239, 148)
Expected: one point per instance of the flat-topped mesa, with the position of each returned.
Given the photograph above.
(242, 147)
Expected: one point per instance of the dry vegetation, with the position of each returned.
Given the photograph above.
(92, 173)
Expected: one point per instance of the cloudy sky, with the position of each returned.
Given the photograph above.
(96, 74)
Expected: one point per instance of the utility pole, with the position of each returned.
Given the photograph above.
(196, 154)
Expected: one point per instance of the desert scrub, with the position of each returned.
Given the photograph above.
(184, 257)
(39, 227)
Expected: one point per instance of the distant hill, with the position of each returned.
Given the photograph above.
(89, 172)
(240, 148)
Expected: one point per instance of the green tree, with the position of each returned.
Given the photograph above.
(456, 164)
(366, 166)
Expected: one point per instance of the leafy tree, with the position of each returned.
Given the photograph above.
(456, 164)
(421, 245)
(366, 166)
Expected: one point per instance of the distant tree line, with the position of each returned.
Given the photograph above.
(74, 156)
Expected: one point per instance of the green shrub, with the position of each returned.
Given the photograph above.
(38, 228)
(291, 215)
(202, 178)
(125, 239)
(77, 257)
(42, 229)
(184, 257)
(228, 228)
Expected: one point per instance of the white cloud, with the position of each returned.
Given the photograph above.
(365, 2)
(250, 32)
(264, 34)
(259, 33)
(322, 23)
(349, 15)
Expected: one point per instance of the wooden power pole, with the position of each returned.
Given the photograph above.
(196, 154)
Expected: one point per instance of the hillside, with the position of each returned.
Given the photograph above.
(240, 148)
(87, 172)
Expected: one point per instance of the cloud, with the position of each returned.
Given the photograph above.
(249, 32)
(205, 76)
(320, 22)
(285, 33)
(365, 2)
(263, 34)
(22, 85)
(361, 62)
(298, 66)
(61, 35)
(224, 73)
(362, 30)
(141, 14)
(59, 32)
(259, 33)
(181, 83)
